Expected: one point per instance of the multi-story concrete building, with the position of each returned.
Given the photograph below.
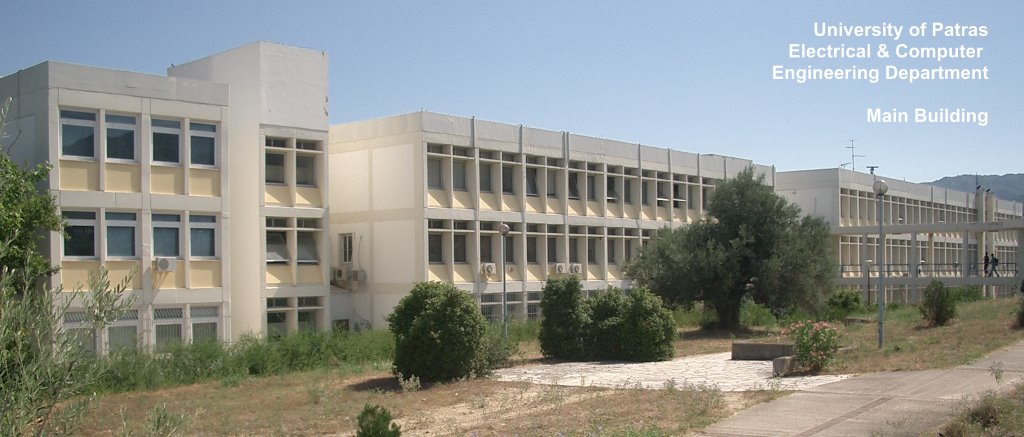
(422, 196)
(931, 232)
(178, 179)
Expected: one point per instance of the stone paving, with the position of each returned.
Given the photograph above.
(714, 370)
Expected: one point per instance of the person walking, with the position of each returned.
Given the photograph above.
(986, 263)
(995, 265)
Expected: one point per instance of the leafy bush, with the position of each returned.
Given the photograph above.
(375, 421)
(495, 350)
(439, 333)
(815, 343)
(563, 330)
(647, 328)
(939, 305)
(841, 304)
(607, 319)
(754, 314)
(694, 315)
(967, 293)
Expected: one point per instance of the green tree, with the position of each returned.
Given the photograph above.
(563, 332)
(752, 242)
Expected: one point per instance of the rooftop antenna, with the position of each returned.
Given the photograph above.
(872, 168)
(853, 157)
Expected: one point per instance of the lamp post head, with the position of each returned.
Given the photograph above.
(880, 187)
(503, 229)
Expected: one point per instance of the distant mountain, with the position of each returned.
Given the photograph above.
(1007, 187)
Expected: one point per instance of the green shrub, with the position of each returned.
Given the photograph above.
(563, 330)
(842, 303)
(439, 333)
(754, 314)
(647, 328)
(939, 304)
(967, 293)
(375, 421)
(495, 350)
(695, 315)
(815, 343)
(607, 318)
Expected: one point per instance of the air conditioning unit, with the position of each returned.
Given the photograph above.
(340, 274)
(356, 275)
(559, 268)
(164, 264)
(576, 268)
(488, 268)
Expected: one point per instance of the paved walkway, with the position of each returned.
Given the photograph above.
(890, 403)
(715, 370)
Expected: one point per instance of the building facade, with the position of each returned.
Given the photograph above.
(421, 197)
(931, 232)
(164, 178)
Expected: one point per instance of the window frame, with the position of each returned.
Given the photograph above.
(435, 248)
(486, 176)
(132, 223)
(197, 317)
(460, 251)
(435, 174)
(300, 247)
(79, 122)
(345, 242)
(266, 167)
(509, 187)
(194, 133)
(194, 224)
(109, 124)
(281, 259)
(311, 182)
(164, 222)
(460, 180)
(532, 187)
(79, 222)
(168, 320)
(165, 130)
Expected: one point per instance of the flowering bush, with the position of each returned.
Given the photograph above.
(815, 343)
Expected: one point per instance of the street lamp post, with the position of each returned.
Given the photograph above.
(880, 188)
(503, 229)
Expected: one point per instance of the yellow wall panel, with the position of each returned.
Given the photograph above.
(594, 272)
(614, 209)
(166, 180)
(576, 207)
(462, 199)
(488, 201)
(205, 274)
(534, 204)
(438, 272)
(308, 196)
(464, 273)
(279, 274)
(555, 206)
(437, 198)
(614, 272)
(175, 279)
(594, 208)
(118, 270)
(75, 274)
(204, 182)
(310, 274)
(79, 175)
(536, 272)
(123, 178)
(510, 203)
(278, 195)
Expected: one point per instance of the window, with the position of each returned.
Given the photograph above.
(531, 250)
(277, 324)
(507, 180)
(591, 188)
(80, 233)
(277, 222)
(280, 143)
(531, 182)
(611, 251)
(204, 324)
(165, 140)
(552, 183)
(274, 168)
(202, 235)
(627, 191)
(459, 175)
(629, 250)
(510, 253)
(485, 249)
(307, 145)
(204, 143)
(307, 320)
(307, 248)
(552, 249)
(166, 230)
(168, 327)
(120, 136)
(592, 250)
(574, 188)
(277, 247)
(305, 170)
(613, 194)
(485, 178)
(459, 248)
(434, 179)
(123, 333)
(78, 133)
(574, 249)
(434, 252)
(345, 241)
(644, 187)
(121, 234)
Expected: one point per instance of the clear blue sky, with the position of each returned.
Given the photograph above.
(694, 76)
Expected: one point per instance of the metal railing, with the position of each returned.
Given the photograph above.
(929, 270)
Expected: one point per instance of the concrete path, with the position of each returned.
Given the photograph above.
(712, 371)
(892, 403)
